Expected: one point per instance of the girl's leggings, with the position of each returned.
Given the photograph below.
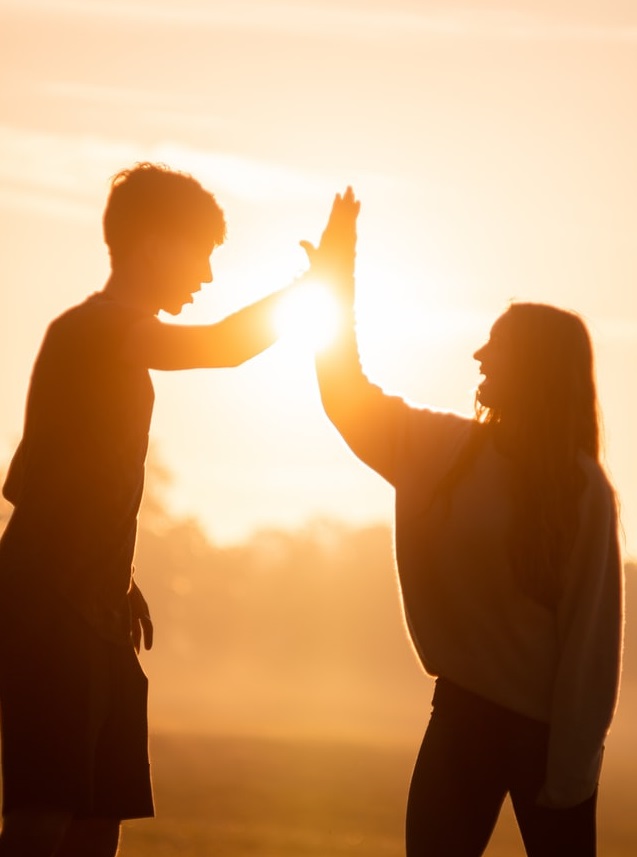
(475, 753)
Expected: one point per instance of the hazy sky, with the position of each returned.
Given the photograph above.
(492, 145)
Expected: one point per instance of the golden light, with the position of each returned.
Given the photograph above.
(309, 314)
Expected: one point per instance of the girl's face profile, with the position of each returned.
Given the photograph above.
(495, 360)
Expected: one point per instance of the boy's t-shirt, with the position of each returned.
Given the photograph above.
(77, 477)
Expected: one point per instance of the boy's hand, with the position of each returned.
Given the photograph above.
(334, 259)
(141, 623)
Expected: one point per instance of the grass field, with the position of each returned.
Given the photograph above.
(236, 797)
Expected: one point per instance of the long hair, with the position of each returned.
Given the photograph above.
(552, 419)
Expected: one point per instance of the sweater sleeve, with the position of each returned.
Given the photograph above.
(590, 636)
(370, 421)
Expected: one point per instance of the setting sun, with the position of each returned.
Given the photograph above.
(308, 314)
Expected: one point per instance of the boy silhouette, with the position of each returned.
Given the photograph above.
(72, 693)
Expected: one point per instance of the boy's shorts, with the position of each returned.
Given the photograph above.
(74, 718)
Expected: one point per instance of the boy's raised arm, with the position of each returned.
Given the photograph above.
(229, 342)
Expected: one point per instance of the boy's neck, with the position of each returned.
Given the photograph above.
(127, 288)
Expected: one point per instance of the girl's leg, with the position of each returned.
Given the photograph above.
(557, 832)
(546, 832)
(457, 787)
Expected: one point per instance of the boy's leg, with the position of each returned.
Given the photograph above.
(33, 833)
(56, 834)
(97, 837)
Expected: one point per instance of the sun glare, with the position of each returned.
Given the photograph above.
(309, 315)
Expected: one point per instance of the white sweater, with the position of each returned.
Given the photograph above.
(468, 620)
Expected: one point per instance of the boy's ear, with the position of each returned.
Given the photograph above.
(149, 250)
(148, 245)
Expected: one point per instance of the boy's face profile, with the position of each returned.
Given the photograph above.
(179, 264)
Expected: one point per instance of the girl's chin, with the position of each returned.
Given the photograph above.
(483, 397)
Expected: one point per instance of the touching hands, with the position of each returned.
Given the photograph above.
(334, 259)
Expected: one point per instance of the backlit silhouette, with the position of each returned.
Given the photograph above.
(509, 566)
(72, 693)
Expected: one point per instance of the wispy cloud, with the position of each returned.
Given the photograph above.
(40, 167)
(56, 166)
(619, 330)
(188, 110)
(521, 22)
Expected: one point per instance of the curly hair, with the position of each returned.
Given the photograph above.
(151, 198)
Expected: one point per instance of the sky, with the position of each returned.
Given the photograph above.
(491, 144)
